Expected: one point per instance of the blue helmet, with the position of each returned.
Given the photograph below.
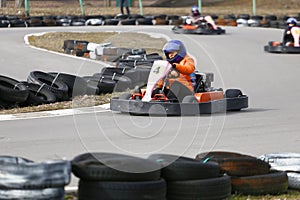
(291, 20)
(195, 11)
(174, 45)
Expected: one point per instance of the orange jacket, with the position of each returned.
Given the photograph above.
(185, 68)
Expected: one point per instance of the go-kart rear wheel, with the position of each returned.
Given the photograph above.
(232, 93)
(125, 96)
(190, 99)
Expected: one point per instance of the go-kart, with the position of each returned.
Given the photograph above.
(182, 101)
(203, 27)
(279, 47)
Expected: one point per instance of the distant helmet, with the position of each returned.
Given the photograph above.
(291, 20)
(174, 45)
(195, 11)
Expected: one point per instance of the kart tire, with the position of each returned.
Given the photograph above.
(141, 190)
(145, 21)
(190, 99)
(59, 88)
(76, 85)
(180, 168)
(232, 93)
(105, 167)
(270, 183)
(212, 189)
(20, 173)
(36, 194)
(12, 91)
(38, 95)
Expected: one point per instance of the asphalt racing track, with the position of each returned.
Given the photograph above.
(270, 124)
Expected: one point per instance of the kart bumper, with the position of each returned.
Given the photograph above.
(138, 107)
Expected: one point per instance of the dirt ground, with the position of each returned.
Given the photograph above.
(179, 7)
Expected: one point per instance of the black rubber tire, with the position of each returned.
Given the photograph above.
(271, 17)
(36, 194)
(235, 165)
(271, 183)
(38, 95)
(142, 190)
(59, 88)
(104, 86)
(232, 93)
(111, 22)
(20, 173)
(122, 82)
(145, 21)
(76, 85)
(205, 189)
(128, 22)
(12, 90)
(105, 167)
(221, 154)
(180, 168)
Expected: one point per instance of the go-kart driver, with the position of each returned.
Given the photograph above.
(183, 67)
(288, 39)
(196, 18)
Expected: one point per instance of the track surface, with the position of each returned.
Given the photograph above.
(271, 124)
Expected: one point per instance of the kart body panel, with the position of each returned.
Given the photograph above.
(192, 29)
(278, 47)
(138, 107)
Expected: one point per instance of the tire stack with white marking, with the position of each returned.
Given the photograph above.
(286, 162)
(24, 179)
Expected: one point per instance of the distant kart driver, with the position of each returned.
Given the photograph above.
(196, 18)
(288, 39)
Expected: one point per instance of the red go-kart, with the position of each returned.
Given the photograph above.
(204, 100)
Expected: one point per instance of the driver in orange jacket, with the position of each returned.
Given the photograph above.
(183, 66)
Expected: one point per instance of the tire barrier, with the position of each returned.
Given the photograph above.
(249, 175)
(50, 87)
(59, 88)
(24, 179)
(226, 20)
(114, 176)
(286, 162)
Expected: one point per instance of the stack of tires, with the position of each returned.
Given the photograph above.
(12, 92)
(188, 178)
(112, 176)
(287, 162)
(24, 179)
(249, 175)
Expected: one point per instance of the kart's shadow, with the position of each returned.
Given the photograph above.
(249, 110)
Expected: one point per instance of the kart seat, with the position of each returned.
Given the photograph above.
(179, 91)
